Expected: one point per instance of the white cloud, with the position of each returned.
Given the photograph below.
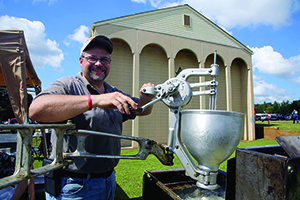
(237, 13)
(139, 1)
(49, 1)
(269, 92)
(42, 51)
(268, 61)
(80, 34)
(296, 80)
(160, 3)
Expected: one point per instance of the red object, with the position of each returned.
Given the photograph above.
(254, 110)
(90, 102)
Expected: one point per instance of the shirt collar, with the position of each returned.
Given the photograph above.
(108, 88)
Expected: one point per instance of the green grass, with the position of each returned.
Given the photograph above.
(283, 125)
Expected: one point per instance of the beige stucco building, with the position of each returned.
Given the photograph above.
(151, 46)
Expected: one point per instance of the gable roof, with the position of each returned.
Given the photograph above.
(169, 21)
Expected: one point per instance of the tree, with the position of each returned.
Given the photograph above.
(295, 105)
(276, 107)
(285, 107)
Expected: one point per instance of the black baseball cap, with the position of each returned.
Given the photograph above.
(99, 41)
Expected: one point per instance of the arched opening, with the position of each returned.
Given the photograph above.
(186, 59)
(154, 69)
(239, 82)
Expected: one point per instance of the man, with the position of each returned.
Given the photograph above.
(295, 116)
(91, 104)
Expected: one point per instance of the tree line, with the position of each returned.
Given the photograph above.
(286, 107)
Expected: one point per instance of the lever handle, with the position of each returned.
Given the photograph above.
(141, 109)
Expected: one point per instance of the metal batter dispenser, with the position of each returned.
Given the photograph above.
(210, 136)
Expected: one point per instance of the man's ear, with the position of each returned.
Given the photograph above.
(80, 60)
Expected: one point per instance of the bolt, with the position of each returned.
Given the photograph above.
(159, 88)
(209, 71)
(290, 169)
(177, 146)
(183, 76)
(149, 142)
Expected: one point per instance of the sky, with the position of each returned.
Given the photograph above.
(56, 29)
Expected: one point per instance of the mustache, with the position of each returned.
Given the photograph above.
(97, 67)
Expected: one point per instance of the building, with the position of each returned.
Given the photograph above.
(151, 46)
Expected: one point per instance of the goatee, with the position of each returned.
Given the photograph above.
(95, 77)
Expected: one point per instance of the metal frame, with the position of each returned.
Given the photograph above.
(24, 159)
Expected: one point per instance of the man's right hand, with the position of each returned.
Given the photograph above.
(114, 100)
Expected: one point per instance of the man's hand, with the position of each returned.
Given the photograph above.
(146, 96)
(144, 99)
(114, 100)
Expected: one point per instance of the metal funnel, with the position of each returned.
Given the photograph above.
(210, 136)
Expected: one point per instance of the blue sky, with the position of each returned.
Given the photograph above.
(56, 29)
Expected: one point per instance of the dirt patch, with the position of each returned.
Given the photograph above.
(273, 132)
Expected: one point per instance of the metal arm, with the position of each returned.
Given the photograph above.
(23, 169)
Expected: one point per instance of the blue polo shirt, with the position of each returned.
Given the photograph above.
(295, 113)
(97, 119)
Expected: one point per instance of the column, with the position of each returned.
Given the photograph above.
(171, 66)
(250, 103)
(228, 88)
(135, 92)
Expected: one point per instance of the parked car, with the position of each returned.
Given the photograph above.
(264, 117)
(274, 116)
(281, 116)
(257, 117)
(288, 117)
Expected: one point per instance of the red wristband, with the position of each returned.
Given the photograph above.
(90, 102)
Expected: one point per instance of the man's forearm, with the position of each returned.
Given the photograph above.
(56, 108)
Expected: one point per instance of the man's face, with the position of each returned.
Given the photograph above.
(98, 71)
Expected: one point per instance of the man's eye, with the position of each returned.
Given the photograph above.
(105, 60)
(93, 59)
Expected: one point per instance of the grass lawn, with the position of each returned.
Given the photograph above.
(283, 125)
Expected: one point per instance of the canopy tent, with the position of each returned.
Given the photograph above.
(16, 71)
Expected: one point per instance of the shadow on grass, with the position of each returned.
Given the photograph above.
(120, 194)
(264, 125)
